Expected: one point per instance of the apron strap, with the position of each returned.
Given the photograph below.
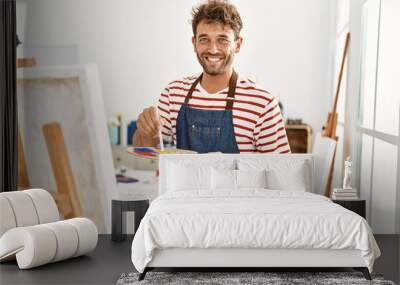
(189, 95)
(231, 92)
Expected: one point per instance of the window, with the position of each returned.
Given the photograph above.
(379, 115)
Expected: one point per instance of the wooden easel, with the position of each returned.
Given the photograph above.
(66, 196)
(331, 124)
(23, 180)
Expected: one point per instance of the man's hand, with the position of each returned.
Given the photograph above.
(148, 125)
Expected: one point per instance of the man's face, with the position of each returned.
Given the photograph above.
(215, 47)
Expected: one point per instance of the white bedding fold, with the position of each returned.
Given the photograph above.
(250, 219)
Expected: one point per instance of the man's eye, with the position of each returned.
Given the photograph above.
(202, 40)
(223, 41)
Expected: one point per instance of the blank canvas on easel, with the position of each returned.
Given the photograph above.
(71, 96)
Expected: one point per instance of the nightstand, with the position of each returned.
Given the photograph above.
(357, 206)
(130, 202)
(119, 206)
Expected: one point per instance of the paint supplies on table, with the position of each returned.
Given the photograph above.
(118, 130)
(132, 127)
(113, 131)
(154, 153)
(121, 178)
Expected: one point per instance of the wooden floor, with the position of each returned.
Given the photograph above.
(111, 259)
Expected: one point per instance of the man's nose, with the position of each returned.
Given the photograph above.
(213, 47)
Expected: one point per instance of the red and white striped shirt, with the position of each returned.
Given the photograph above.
(257, 119)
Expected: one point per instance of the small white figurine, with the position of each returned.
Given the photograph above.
(347, 174)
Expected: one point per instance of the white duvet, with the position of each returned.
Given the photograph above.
(250, 219)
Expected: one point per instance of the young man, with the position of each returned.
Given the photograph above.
(217, 110)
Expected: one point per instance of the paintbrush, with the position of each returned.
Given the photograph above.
(159, 131)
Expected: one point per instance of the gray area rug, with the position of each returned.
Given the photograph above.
(229, 278)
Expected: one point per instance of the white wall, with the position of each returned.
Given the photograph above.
(142, 45)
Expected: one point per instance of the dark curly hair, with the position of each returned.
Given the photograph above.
(217, 11)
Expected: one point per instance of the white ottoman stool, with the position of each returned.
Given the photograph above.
(31, 232)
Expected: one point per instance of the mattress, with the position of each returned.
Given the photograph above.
(255, 257)
(250, 219)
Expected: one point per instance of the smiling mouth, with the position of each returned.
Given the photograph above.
(213, 59)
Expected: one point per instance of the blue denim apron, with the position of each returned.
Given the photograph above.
(207, 130)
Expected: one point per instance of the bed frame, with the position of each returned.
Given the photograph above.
(242, 259)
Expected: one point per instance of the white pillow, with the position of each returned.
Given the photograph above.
(223, 179)
(226, 179)
(285, 168)
(251, 179)
(183, 177)
(293, 178)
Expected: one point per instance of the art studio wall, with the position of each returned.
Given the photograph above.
(140, 46)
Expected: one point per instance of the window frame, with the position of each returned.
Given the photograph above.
(372, 132)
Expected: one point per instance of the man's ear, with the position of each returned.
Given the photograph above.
(238, 44)
(194, 42)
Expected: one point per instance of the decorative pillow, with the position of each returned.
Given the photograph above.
(293, 178)
(182, 177)
(251, 179)
(283, 172)
(223, 179)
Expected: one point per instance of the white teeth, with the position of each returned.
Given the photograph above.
(213, 59)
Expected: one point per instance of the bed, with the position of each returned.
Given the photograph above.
(230, 210)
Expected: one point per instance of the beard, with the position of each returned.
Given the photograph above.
(215, 68)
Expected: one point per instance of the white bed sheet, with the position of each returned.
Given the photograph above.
(251, 218)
